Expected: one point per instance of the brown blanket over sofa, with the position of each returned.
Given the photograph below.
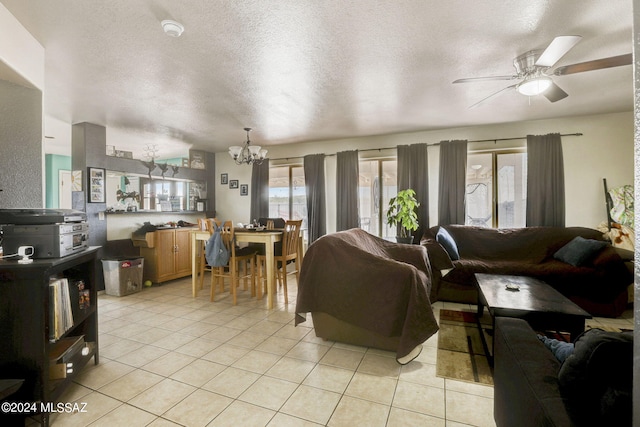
(599, 286)
(371, 283)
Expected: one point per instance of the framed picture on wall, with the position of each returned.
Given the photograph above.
(96, 185)
(233, 183)
(76, 181)
(196, 159)
(244, 190)
(224, 179)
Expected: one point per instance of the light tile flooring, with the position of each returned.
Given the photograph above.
(167, 359)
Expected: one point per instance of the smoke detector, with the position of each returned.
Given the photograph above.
(172, 28)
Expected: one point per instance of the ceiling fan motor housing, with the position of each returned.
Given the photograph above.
(525, 64)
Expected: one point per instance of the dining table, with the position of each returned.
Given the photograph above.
(267, 237)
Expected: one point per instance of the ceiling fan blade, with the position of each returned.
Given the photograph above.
(554, 93)
(484, 79)
(596, 64)
(483, 100)
(556, 50)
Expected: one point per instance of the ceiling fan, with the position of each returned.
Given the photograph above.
(533, 70)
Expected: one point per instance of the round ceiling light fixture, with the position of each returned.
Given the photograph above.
(172, 28)
(534, 86)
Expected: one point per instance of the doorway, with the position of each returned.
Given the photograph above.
(64, 189)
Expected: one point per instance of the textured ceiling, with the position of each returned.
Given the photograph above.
(312, 70)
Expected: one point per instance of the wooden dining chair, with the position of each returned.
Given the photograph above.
(275, 222)
(237, 257)
(204, 224)
(284, 254)
(269, 224)
(202, 261)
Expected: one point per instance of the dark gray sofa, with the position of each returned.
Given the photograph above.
(532, 388)
(599, 285)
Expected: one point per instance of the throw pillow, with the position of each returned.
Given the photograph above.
(579, 251)
(438, 256)
(444, 238)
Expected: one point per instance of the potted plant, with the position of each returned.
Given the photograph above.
(402, 211)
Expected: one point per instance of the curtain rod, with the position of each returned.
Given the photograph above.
(494, 140)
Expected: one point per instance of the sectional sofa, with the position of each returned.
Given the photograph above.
(592, 273)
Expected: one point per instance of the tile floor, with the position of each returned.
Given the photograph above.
(167, 359)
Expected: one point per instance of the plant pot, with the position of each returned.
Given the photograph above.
(405, 240)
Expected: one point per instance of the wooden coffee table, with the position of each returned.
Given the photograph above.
(530, 299)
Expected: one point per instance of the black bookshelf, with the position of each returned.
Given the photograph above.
(25, 324)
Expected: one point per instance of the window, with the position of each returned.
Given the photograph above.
(378, 184)
(287, 193)
(497, 199)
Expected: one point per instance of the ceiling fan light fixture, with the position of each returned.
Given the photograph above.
(534, 86)
(172, 28)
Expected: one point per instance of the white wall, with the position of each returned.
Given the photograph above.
(604, 151)
(20, 51)
(229, 204)
(22, 82)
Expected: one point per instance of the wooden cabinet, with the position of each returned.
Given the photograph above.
(167, 254)
(27, 321)
(183, 252)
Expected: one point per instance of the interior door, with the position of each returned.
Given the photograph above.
(64, 189)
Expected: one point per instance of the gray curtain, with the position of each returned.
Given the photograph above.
(545, 181)
(347, 175)
(260, 191)
(404, 167)
(316, 204)
(452, 185)
(413, 172)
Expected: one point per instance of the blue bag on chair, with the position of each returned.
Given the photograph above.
(215, 251)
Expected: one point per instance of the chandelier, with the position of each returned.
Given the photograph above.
(247, 154)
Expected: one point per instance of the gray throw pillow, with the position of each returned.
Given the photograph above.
(579, 251)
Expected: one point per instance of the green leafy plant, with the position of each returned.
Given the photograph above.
(402, 211)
